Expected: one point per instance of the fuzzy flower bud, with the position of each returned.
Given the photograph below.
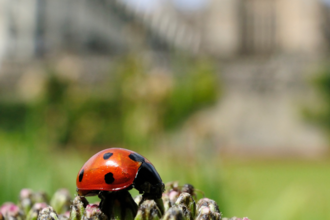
(93, 212)
(25, 200)
(205, 213)
(187, 215)
(34, 212)
(160, 205)
(78, 207)
(47, 213)
(40, 197)
(188, 189)
(187, 200)
(174, 213)
(25, 193)
(235, 218)
(64, 216)
(211, 204)
(166, 201)
(173, 196)
(10, 211)
(172, 192)
(61, 201)
(138, 199)
(148, 210)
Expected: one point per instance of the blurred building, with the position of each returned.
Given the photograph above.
(265, 26)
(34, 28)
(268, 47)
(225, 28)
(228, 28)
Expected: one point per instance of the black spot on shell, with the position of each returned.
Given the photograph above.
(107, 155)
(109, 178)
(136, 157)
(81, 175)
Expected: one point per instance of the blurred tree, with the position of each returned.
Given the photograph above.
(134, 103)
(319, 114)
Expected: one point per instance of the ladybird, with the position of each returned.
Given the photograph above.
(116, 169)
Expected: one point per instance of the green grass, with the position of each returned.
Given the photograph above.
(286, 190)
(278, 189)
(24, 165)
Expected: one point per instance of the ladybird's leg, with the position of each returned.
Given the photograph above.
(102, 196)
(107, 201)
(129, 201)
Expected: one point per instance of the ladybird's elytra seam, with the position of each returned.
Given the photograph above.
(107, 155)
(109, 178)
(81, 175)
(136, 157)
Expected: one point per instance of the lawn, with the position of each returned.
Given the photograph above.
(285, 190)
(259, 189)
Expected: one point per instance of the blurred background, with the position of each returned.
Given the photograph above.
(232, 96)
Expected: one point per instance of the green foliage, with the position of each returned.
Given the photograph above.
(190, 93)
(319, 112)
(12, 116)
(132, 105)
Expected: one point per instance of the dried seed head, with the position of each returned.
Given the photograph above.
(47, 213)
(61, 201)
(187, 200)
(211, 204)
(174, 213)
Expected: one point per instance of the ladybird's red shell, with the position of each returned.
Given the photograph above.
(111, 169)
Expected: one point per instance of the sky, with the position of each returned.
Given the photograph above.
(326, 1)
(188, 5)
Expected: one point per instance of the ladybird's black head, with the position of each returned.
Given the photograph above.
(148, 181)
